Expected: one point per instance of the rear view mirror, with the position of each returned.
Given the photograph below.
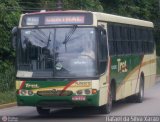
(14, 37)
(102, 35)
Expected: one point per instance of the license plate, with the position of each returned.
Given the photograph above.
(79, 98)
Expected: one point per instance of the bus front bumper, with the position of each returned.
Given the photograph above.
(58, 101)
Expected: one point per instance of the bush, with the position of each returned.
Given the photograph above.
(7, 97)
(7, 77)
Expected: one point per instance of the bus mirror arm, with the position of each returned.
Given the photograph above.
(102, 32)
(14, 37)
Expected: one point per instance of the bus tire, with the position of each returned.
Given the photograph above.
(43, 112)
(140, 95)
(106, 109)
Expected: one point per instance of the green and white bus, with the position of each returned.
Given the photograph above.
(80, 58)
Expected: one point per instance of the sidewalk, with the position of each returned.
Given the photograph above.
(8, 105)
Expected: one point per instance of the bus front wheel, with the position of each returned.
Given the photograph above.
(41, 111)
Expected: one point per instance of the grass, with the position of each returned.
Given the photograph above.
(7, 97)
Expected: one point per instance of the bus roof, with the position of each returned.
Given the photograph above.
(122, 20)
(60, 11)
(98, 16)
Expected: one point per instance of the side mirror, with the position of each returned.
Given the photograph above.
(102, 32)
(14, 37)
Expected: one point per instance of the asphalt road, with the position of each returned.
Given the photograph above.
(150, 107)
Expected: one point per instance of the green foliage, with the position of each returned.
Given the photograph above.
(7, 77)
(91, 5)
(8, 19)
(141, 9)
(131, 8)
(9, 16)
(7, 97)
(36, 5)
(10, 11)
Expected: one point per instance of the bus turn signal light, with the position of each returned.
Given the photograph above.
(94, 91)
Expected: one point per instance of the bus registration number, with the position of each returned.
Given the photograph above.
(79, 98)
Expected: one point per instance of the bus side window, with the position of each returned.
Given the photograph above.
(133, 36)
(117, 39)
(150, 40)
(111, 41)
(129, 39)
(103, 46)
(124, 39)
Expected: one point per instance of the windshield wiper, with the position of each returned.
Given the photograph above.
(49, 39)
(69, 35)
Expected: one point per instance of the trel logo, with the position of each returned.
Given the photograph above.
(31, 85)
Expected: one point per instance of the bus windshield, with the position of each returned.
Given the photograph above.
(57, 52)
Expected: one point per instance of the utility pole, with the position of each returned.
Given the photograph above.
(59, 5)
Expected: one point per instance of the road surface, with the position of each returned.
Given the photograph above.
(150, 107)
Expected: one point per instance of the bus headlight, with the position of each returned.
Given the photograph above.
(30, 93)
(84, 92)
(24, 92)
(79, 92)
(87, 91)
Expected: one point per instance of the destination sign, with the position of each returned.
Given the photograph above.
(46, 19)
(32, 21)
(64, 20)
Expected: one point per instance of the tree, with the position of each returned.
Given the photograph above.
(130, 8)
(9, 16)
(31, 5)
(37, 5)
(91, 5)
(140, 9)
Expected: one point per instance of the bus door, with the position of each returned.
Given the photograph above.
(103, 63)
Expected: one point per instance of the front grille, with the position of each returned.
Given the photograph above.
(54, 93)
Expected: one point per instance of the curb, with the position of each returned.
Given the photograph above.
(8, 105)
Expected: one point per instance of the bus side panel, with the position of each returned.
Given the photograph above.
(153, 69)
(149, 69)
(145, 68)
(125, 70)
